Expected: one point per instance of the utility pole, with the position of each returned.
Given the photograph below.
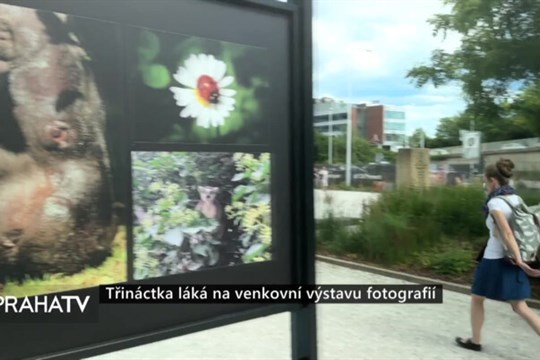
(330, 135)
(471, 164)
(349, 146)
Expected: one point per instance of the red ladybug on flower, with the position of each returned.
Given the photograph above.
(205, 95)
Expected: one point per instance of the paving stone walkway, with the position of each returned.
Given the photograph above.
(358, 332)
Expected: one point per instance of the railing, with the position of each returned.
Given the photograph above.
(491, 146)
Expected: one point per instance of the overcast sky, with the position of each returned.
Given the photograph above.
(364, 48)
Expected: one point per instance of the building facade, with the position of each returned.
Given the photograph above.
(380, 124)
(331, 117)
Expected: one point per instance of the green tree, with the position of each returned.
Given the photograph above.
(448, 131)
(526, 108)
(321, 147)
(362, 152)
(500, 50)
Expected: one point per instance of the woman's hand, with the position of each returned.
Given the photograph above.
(529, 270)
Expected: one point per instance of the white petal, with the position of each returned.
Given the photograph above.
(204, 118)
(209, 116)
(227, 92)
(208, 64)
(224, 109)
(185, 77)
(210, 61)
(226, 101)
(209, 68)
(214, 118)
(185, 112)
(199, 65)
(219, 120)
(216, 68)
(220, 69)
(191, 65)
(226, 81)
(192, 110)
(183, 96)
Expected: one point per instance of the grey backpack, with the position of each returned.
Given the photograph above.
(525, 224)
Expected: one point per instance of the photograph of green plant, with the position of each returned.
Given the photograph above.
(194, 211)
(196, 90)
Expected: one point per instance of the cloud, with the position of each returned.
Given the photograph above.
(364, 48)
(425, 108)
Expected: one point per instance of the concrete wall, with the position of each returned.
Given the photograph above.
(524, 160)
(349, 204)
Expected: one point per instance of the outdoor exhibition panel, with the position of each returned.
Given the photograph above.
(151, 142)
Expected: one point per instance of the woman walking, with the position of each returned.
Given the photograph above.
(495, 277)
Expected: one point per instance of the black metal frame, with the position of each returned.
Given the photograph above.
(303, 317)
(304, 324)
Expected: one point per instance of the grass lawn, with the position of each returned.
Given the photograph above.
(113, 270)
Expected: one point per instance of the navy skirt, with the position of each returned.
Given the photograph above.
(496, 279)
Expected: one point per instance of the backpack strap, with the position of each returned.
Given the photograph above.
(522, 206)
(508, 202)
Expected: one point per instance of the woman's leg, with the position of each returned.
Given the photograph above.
(477, 317)
(523, 310)
(477, 321)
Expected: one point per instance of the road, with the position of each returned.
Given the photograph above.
(359, 332)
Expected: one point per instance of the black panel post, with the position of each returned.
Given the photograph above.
(304, 320)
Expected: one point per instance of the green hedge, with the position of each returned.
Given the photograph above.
(440, 228)
(407, 221)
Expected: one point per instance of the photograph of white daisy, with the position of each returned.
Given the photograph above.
(196, 90)
(205, 96)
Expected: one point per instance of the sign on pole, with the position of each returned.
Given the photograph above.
(471, 144)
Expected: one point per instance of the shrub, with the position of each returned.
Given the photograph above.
(447, 258)
(439, 228)
(407, 221)
(530, 196)
(453, 262)
(459, 211)
(332, 235)
(387, 239)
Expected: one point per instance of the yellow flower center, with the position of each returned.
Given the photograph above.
(201, 99)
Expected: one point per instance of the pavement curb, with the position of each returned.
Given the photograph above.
(463, 289)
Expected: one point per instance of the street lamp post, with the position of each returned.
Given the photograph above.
(349, 147)
(349, 130)
(349, 137)
(330, 132)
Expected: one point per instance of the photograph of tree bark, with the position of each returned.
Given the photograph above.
(59, 224)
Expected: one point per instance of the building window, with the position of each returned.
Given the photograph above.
(334, 117)
(339, 116)
(394, 126)
(390, 114)
(340, 128)
(394, 138)
(321, 118)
